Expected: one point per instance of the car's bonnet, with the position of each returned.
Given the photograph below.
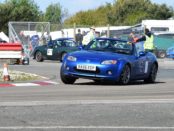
(98, 55)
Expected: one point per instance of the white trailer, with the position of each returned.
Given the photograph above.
(157, 26)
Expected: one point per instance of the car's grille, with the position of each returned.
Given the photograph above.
(90, 72)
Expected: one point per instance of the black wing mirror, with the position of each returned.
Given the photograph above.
(142, 53)
(50, 44)
(81, 47)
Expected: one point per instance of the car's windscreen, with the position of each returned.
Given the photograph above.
(69, 43)
(110, 45)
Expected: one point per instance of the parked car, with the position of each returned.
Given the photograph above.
(170, 52)
(109, 59)
(163, 41)
(55, 49)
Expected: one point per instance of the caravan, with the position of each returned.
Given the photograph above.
(159, 26)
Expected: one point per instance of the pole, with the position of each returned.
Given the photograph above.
(108, 30)
(74, 30)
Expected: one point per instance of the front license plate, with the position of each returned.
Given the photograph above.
(86, 67)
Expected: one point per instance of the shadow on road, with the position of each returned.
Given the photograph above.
(117, 84)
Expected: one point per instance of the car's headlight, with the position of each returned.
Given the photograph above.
(109, 62)
(72, 58)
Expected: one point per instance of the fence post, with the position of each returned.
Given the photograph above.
(108, 30)
(74, 30)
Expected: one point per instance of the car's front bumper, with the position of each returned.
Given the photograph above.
(103, 72)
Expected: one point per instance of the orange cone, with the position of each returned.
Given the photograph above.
(6, 76)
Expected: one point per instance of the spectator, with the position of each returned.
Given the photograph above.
(79, 37)
(148, 44)
(148, 41)
(90, 36)
(135, 39)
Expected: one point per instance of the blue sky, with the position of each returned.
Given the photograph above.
(74, 6)
(77, 5)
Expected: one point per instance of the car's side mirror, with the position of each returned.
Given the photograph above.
(142, 53)
(81, 47)
(50, 44)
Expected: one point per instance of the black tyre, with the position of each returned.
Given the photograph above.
(161, 54)
(97, 81)
(152, 75)
(66, 79)
(62, 56)
(26, 61)
(125, 75)
(39, 56)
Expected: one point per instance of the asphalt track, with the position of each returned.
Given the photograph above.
(87, 105)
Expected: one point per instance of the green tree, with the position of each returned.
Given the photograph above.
(128, 12)
(23, 10)
(96, 17)
(18, 10)
(55, 13)
(4, 13)
(122, 12)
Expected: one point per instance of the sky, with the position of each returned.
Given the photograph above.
(74, 6)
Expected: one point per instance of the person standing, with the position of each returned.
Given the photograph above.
(92, 33)
(148, 39)
(89, 36)
(148, 44)
(79, 37)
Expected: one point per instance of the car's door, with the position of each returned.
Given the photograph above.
(49, 50)
(66, 45)
(58, 45)
(142, 64)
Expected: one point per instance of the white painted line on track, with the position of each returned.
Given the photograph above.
(85, 127)
(52, 82)
(87, 102)
(25, 84)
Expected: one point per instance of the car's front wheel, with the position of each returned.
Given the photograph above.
(39, 56)
(125, 75)
(152, 75)
(63, 56)
(66, 79)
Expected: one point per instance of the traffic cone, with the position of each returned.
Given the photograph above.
(6, 76)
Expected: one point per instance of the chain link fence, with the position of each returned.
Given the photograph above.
(104, 31)
(32, 34)
(29, 34)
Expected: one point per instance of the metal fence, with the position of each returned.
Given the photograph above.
(26, 32)
(23, 31)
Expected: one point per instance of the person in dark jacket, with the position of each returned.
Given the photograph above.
(79, 37)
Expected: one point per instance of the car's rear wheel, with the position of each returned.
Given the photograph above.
(39, 56)
(152, 75)
(161, 54)
(125, 75)
(66, 79)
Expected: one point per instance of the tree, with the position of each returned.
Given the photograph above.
(55, 13)
(122, 12)
(23, 10)
(18, 10)
(128, 12)
(96, 17)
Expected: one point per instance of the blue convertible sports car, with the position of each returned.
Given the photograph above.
(113, 60)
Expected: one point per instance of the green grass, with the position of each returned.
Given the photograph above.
(19, 76)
